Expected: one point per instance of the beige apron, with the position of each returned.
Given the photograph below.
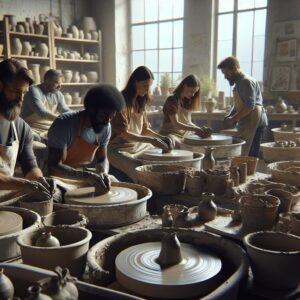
(38, 124)
(247, 126)
(8, 158)
(122, 154)
(168, 129)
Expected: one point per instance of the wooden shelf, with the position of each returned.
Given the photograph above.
(30, 57)
(28, 35)
(64, 39)
(65, 60)
(78, 84)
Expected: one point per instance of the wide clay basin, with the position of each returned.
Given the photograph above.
(286, 172)
(8, 243)
(23, 276)
(274, 153)
(290, 135)
(101, 257)
(274, 258)
(65, 217)
(74, 244)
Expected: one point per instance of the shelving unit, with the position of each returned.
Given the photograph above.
(53, 60)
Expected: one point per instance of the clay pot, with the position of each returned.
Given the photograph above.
(30, 23)
(74, 244)
(35, 292)
(11, 20)
(258, 212)
(210, 105)
(57, 29)
(20, 27)
(47, 240)
(42, 206)
(67, 75)
(183, 219)
(295, 223)
(95, 35)
(42, 49)
(16, 46)
(87, 35)
(164, 90)
(81, 34)
(217, 182)
(38, 28)
(35, 69)
(167, 219)
(195, 183)
(92, 76)
(1, 49)
(280, 106)
(286, 172)
(75, 77)
(26, 48)
(68, 98)
(274, 259)
(208, 160)
(83, 78)
(285, 198)
(87, 56)
(207, 209)
(6, 286)
(76, 100)
(75, 32)
(88, 24)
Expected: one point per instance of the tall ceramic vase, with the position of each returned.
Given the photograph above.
(6, 286)
(208, 160)
(35, 69)
(16, 46)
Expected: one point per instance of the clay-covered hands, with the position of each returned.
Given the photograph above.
(159, 143)
(36, 189)
(203, 132)
(100, 182)
(169, 141)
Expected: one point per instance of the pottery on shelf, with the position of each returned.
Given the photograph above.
(75, 77)
(83, 78)
(11, 20)
(35, 69)
(46, 239)
(42, 49)
(210, 105)
(20, 27)
(208, 160)
(38, 28)
(207, 209)
(26, 48)
(95, 35)
(67, 76)
(87, 35)
(92, 76)
(81, 34)
(280, 106)
(88, 24)
(6, 286)
(1, 49)
(57, 29)
(74, 30)
(35, 293)
(68, 98)
(16, 46)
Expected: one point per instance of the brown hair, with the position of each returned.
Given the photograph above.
(11, 69)
(190, 81)
(229, 63)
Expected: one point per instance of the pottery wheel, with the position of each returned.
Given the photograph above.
(157, 155)
(197, 273)
(85, 196)
(214, 139)
(10, 222)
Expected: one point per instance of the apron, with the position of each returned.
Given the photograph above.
(122, 154)
(80, 153)
(8, 158)
(38, 124)
(248, 125)
(168, 129)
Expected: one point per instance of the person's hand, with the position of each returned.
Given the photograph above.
(203, 132)
(207, 131)
(158, 143)
(36, 190)
(169, 141)
(98, 181)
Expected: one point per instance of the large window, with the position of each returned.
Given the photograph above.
(241, 32)
(157, 37)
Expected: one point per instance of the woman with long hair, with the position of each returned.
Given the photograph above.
(131, 132)
(177, 122)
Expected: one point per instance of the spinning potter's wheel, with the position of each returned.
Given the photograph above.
(85, 196)
(214, 139)
(175, 154)
(10, 222)
(197, 274)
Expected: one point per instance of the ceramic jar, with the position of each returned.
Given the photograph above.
(75, 77)
(30, 23)
(1, 49)
(280, 106)
(38, 28)
(42, 49)
(81, 34)
(6, 286)
(20, 27)
(26, 48)
(75, 32)
(208, 160)
(87, 35)
(76, 99)
(210, 105)
(35, 69)
(95, 35)
(16, 46)
(57, 30)
(207, 209)
(35, 292)
(83, 78)
(68, 98)
(46, 239)
(12, 21)
(92, 76)
(67, 75)
(88, 24)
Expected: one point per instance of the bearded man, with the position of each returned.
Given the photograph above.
(76, 138)
(15, 135)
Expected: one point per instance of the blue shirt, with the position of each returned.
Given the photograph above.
(33, 102)
(64, 129)
(249, 91)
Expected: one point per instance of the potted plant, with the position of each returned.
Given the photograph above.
(165, 83)
(208, 87)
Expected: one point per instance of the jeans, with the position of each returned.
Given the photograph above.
(254, 150)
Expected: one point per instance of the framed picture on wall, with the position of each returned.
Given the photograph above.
(286, 50)
(280, 78)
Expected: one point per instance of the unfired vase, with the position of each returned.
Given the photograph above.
(210, 105)
(92, 76)
(42, 49)
(35, 68)
(208, 160)
(83, 78)
(207, 209)
(68, 98)
(38, 28)
(74, 30)
(280, 106)
(20, 27)
(26, 48)
(67, 75)
(88, 24)
(75, 77)
(16, 46)
(57, 30)
(46, 239)
(6, 286)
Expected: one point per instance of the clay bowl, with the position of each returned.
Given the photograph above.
(290, 135)
(22, 276)
(101, 257)
(65, 217)
(74, 244)
(8, 243)
(42, 207)
(195, 183)
(286, 172)
(274, 258)
(272, 153)
(162, 179)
